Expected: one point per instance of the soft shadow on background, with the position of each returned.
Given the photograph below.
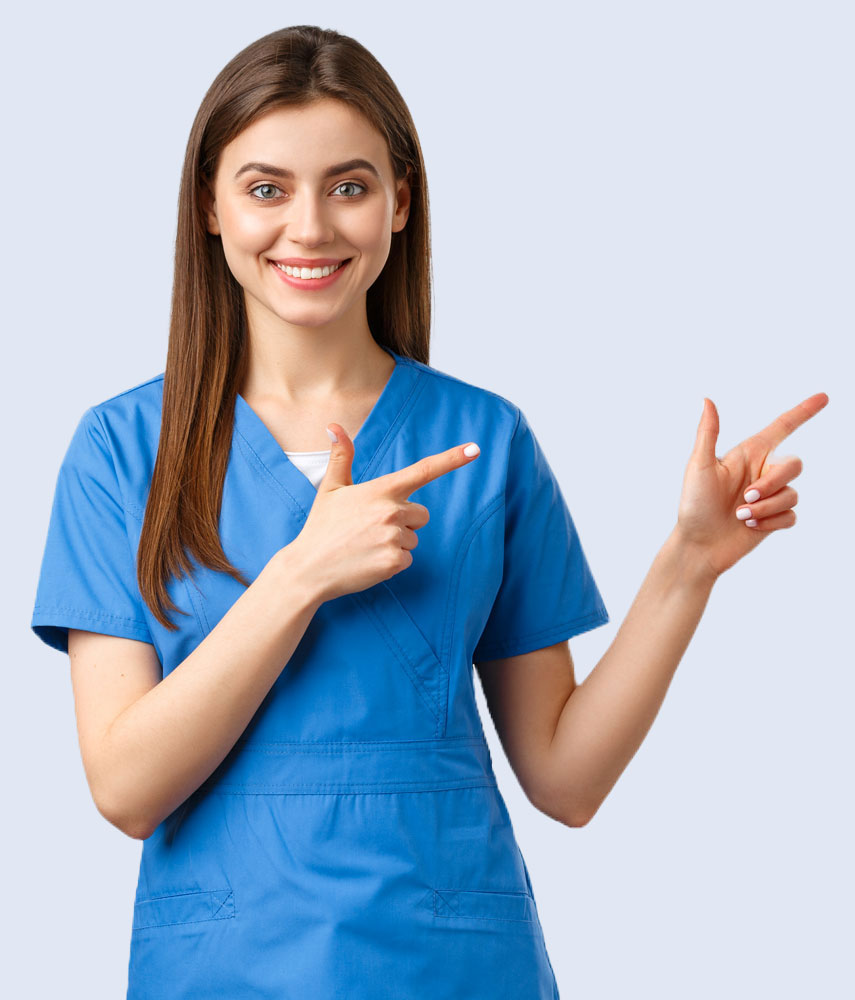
(633, 206)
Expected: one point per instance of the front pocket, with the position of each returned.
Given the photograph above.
(184, 908)
(482, 903)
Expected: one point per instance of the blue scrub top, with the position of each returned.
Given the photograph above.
(354, 842)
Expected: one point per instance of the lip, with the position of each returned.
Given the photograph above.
(307, 261)
(313, 284)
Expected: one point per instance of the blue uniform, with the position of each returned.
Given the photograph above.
(353, 843)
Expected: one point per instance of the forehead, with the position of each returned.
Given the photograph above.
(307, 139)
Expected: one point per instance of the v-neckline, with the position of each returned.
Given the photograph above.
(371, 440)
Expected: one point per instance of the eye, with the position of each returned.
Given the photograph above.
(261, 187)
(273, 187)
(350, 184)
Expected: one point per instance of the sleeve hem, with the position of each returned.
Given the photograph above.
(52, 626)
(545, 637)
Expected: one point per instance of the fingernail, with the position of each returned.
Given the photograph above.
(743, 513)
(752, 495)
(332, 435)
(752, 523)
(471, 449)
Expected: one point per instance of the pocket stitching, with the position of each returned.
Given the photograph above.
(228, 900)
(439, 897)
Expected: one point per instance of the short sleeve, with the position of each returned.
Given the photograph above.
(547, 591)
(88, 577)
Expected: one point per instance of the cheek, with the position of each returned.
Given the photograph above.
(251, 232)
(369, 230)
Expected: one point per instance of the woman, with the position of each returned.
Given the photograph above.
(273, 691)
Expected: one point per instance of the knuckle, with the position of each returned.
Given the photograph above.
(390, 560)
(421, 513)
(384, 511)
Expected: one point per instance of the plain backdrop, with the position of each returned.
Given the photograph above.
(634, 205)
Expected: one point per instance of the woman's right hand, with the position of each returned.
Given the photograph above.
(357, 535)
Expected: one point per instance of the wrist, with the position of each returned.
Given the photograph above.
(295, 574)
(692, 559)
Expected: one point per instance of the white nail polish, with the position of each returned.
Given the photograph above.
(743, 513)
(752, 495)
(331, 435)
(751, 523)
(471, 449)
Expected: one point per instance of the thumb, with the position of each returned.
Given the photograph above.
(707, 435)
(338, 472)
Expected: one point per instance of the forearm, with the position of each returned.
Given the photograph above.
(162, 747)
(607, 716)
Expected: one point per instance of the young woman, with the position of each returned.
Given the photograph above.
(273, 689)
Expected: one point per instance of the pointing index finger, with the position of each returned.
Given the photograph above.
(784, 425)
(412, 477)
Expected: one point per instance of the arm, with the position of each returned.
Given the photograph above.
(568, 752)
(569, 744)
(602, 725)
(148, 743)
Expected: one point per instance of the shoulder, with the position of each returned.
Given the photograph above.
(130, 411)
(478, 405)
(116, 441)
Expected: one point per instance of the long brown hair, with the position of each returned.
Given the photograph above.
(206, 355)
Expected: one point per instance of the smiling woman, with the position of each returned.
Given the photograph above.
(301, 752)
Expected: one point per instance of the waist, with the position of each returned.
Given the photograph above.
(324, 768)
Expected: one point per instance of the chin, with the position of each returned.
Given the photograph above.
(308, 319)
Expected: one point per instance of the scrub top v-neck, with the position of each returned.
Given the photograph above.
(377, 427)
(353, 842)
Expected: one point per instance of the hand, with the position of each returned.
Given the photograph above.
(357, 535)
(714, 489)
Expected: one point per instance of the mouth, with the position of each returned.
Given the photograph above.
(309, 274)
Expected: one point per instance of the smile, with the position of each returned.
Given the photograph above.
(310, 279)
(309, 273)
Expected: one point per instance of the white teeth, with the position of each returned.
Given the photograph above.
(308, 272)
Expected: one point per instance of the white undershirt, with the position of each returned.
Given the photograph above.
(313, 464)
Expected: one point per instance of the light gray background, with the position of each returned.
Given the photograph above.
(634, 205)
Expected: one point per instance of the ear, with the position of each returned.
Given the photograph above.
(209, 206)
(403, 200)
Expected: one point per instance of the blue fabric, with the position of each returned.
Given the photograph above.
(353, 843)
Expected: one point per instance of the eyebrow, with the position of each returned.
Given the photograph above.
(338, 168)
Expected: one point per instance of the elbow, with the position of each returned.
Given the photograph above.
(573, 814)
(118, 799)
(575, 819)
(138, 830)
(128, 820)
(583, 813)
(135, 827)
(579, 819)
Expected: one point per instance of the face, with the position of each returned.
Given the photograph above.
(289, 194)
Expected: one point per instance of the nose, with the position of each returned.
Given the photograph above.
(307, 221)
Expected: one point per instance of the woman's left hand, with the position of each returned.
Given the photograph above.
(744, 481)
